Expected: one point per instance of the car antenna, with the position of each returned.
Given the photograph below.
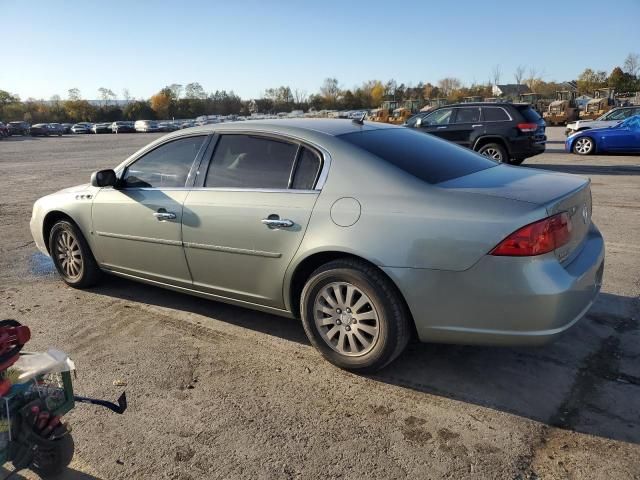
(359, 121)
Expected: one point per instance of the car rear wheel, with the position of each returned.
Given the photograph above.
(494, 151)
(72, 256)
(354, 316)
(583, 146)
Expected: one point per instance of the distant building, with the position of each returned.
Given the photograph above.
(512, 90)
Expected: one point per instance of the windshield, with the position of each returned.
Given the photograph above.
(631, 122)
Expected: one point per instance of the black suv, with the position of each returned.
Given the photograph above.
(506, 132)
(18, 128)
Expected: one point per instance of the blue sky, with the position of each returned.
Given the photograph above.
(248, 46)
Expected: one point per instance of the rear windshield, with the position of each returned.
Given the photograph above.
(422, 155)
(529, 114)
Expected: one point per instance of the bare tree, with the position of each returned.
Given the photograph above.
(632, 64)
(330, 90)
(126, 96)
(74, 94)
(176, 90)
(496, 73)
(448, 85)
(300, 96)
(518, 74)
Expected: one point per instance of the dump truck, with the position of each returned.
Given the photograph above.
(603, 100)
(563, 109)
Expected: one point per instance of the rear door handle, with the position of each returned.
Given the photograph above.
(161, 216)
(440, 128)
(274, 221)
(476, 125)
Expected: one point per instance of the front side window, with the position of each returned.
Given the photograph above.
(468, 115)
(248, 161)
(167, 166)
(439, 117)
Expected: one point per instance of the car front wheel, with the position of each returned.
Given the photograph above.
(494, 151)
(583, 146)
(354, 315)
(72, 256)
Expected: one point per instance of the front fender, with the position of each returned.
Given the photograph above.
(74, 203)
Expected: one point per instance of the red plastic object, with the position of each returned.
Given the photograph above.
(12, 338)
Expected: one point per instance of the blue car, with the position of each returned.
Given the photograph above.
(624, 137)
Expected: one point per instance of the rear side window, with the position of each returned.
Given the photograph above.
(247, 161)
(167, 166)
(467, 115)
(494, 114)
(422, 155)
(529, 114)
(307, 169)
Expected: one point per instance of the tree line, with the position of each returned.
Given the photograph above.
(191, 100)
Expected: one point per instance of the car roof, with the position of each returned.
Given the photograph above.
(484, 104)
(327, 126)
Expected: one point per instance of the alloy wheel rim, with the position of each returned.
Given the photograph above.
(68, 254)
(492, 153)
(346, 319)
(583, 145)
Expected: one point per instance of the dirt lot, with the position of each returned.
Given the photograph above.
(220, 392)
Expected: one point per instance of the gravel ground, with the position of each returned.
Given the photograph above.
(216, 391)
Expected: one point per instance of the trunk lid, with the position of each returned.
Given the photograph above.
(556, 192)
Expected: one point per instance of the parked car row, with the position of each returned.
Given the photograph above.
(48, 129)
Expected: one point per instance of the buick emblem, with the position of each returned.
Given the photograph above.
(585, 214)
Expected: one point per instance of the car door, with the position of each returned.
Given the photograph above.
(438, 123)
(465, 121)
(624, 137)
(138, 224)
(246, 219)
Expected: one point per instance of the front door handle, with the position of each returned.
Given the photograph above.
(274, 221)
(476, 125)
(440, 128)
(164, 215)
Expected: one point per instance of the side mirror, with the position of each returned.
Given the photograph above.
(418, 122)
(104, 178)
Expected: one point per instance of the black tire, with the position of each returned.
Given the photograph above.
(494, 151)
(393, 320)
(84, 275)
(52, 462)
(516, 161)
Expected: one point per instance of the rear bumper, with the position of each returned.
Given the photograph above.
(526, 147)
(504, 300)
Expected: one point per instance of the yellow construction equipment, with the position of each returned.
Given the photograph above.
(563, 109)
(378, 115)
(535, 100)
(400, 115)
(603, 101)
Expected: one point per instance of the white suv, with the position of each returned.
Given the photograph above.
(609, 119)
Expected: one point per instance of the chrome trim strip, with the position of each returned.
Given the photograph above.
(241, 251)
(136, 238)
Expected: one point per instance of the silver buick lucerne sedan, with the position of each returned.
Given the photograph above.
(370, 233)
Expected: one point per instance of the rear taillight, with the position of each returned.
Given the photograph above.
(527, 127)
(537, 238)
